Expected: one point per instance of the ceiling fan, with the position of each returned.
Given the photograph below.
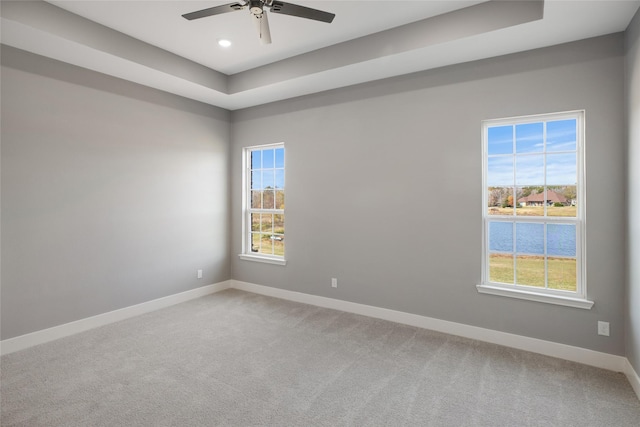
(259, 16)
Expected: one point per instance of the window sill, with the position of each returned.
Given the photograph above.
(533, 296)
(265, 259)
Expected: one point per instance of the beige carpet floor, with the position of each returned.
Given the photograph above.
(240, 359)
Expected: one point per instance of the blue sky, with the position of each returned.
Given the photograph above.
(561, 136)
(267, 168)
(529, 155)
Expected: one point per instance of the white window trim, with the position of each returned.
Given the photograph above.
(246, 255)
(576, 299)
(534, 296)
(263, 258)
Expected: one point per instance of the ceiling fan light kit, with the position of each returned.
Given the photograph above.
(256, 9)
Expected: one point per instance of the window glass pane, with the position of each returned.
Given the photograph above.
(501, 268)
(280, 157)
(256, 199)
(268, 180)
(500, 200)
(255, 242)
(530, 270)
(530, 238)
(256, 159)
(268, 199)
(530, 170)
(561, 169)
(268, 159)
(278, 245)
(500, 171)
(279, 199)
(530, 201)
(561, 273)
(255, 222)
(500, 140)
(561, 240)
(529, 138)
(278, 224)
(266, 244)
(279, 183)
(563, 201)
(266, 223)
(561, 135)
(500, 236)
(256, 180)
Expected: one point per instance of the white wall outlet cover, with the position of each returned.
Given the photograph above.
(603, 328)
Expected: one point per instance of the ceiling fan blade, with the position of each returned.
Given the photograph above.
(301, 11)
(216, 10)
(262, 25)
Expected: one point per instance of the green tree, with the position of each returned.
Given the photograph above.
(569, 193)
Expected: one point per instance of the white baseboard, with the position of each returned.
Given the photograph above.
(633, 378)
(40, 337)
(534, 345)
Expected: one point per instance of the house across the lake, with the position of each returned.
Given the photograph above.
(538, 199)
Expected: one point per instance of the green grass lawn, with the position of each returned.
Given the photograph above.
(267, 225)
(263, 243)
(536, 211)
(530, 271)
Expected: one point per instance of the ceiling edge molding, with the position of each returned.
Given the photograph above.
(35, 21)
(448, 27)
(47, 30)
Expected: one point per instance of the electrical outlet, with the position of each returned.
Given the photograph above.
(334, 282)
(199, 274)
(603, 328)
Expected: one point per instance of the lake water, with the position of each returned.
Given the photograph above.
(529, 238)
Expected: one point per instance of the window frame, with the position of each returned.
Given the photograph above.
(246, 253)
(578, 298)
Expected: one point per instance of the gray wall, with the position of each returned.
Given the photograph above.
(633, 192)
(113, 194)
(384, 188)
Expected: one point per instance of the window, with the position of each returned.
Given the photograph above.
(263, 204)
(533, 208)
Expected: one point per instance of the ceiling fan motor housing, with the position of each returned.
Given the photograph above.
(255, 7)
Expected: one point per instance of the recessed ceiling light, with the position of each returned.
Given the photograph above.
(224, 42)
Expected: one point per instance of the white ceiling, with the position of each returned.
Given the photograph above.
(368, 40)
(196, 40)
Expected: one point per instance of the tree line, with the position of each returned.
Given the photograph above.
(503, 196)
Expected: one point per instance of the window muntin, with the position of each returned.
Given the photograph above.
(264, 201)
(533, 205)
